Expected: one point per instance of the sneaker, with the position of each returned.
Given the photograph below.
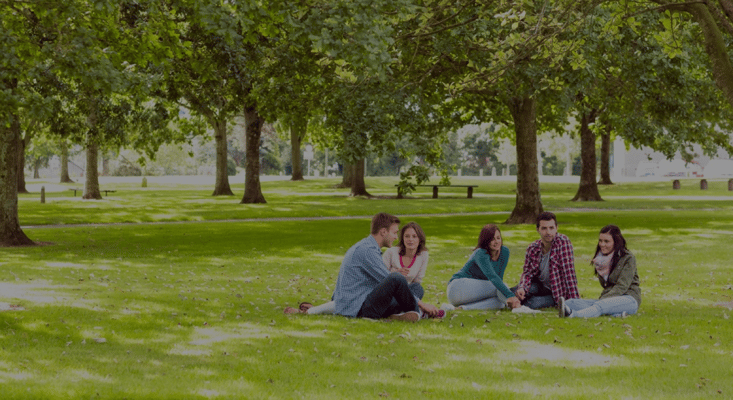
(447, 307)
(562, 311)
(410, 316)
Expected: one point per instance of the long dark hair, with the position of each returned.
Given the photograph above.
(486, 236)
(619, 245)
(420, 235)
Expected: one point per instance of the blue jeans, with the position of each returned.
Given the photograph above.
(586, 308)
(538, 296)
(417, 290)
(391, 296)
(475, 294)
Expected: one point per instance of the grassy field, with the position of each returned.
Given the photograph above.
(319, 198)
(194, 310)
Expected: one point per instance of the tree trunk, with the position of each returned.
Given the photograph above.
(36, 166)
(358, 187)
(105, 165)
(91, 182)
(528, 204)
(221, 188)
(588, 188)
(606, 158)
(21, 165)
(348, 176)
(10, 232)
(253, 131)
(24, 143)
(65, 163)
(297, 133)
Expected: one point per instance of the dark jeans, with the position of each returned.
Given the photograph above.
(392, 296)
(538, 296)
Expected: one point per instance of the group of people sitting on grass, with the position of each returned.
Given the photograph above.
(376, 285)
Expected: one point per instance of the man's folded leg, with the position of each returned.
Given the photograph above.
(391, 296)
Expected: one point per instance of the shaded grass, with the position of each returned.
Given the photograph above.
(195, 311)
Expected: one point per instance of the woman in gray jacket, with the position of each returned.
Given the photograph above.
(615, 267)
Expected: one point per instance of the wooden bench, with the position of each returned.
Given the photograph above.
(106, 191)
(469, 189)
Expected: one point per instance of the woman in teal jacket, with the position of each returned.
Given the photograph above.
(615, 267)
(479, 285)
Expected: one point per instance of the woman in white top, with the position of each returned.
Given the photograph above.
(410, 259)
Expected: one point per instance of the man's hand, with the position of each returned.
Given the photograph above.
(520, 293)
(430, 309)
(513, 303)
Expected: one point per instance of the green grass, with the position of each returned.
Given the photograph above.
(318, 198)
(195, 310)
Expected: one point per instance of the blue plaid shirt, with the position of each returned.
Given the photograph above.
(361, 271)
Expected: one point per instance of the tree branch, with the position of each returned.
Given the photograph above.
(663, 7)
(720, 17)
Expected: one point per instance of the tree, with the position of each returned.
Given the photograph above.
(205, 81)
(498, 63)
(39, 154)
(606, 157)
(28, 40)
(481, 150)
(715, 20)
(64, 160)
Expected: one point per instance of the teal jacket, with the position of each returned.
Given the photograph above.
(481, 266)
(623, 280)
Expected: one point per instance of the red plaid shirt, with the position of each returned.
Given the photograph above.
(562, 268)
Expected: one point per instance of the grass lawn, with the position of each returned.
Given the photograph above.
(177, 311)
(318, 198)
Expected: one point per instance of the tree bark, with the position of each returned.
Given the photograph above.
(221, 187)
(21, 164)
(528, 203)
(297, 133)
(65, 163)
(10, 232)
(253, 132)
(91, 181)
(36, 166)
(348, 176)
(358, 186)
(606, 158)
(588, 188)
(105, 165)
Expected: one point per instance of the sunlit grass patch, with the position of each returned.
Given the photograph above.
(194, 310)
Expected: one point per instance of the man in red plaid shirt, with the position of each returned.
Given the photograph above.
(549, 269)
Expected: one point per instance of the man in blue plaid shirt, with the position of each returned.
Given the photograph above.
(366, 289)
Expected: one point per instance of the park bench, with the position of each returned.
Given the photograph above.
(469, 189)
(106, 191)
